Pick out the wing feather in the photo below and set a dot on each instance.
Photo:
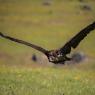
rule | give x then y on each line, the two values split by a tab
25	43
74	42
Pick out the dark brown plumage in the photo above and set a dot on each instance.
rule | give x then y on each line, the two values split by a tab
59	55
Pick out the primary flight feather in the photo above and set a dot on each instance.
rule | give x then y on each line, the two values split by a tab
59	55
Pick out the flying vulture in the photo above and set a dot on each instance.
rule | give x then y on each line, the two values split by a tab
59	55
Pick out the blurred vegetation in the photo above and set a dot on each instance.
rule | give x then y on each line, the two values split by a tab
48	23
46	81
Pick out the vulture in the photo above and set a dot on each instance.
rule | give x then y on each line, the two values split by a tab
58	56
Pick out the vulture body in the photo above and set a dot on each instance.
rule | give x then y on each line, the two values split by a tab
59	55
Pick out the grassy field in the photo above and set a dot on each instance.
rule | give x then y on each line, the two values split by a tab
47	81
49	26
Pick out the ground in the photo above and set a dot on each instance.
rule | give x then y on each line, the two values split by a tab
49	25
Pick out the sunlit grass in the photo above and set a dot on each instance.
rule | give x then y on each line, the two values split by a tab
51	81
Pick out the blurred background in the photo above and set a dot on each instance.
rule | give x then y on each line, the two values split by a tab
49	24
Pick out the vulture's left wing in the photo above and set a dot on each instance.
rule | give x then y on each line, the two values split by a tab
74	42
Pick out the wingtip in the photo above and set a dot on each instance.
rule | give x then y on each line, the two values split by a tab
1	34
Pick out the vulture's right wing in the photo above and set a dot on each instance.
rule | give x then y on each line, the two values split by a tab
25	43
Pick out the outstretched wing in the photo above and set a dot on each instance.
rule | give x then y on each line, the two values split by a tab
24	42
74	42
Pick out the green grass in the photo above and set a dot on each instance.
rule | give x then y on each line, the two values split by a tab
50	27
48	81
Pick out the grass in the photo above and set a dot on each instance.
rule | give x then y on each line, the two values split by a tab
50	27
48	81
